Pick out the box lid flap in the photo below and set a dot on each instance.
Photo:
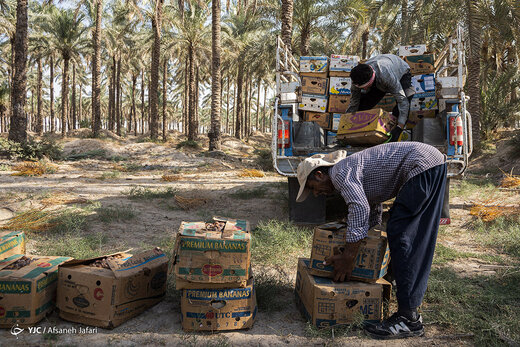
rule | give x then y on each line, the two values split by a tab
30	266
8	234
135	263
220	228
76	262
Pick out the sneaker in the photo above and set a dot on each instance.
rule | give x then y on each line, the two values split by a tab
395	327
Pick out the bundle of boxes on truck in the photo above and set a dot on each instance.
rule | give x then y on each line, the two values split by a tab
326	89
327	303
212	266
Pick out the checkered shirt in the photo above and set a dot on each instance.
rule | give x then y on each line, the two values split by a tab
368	178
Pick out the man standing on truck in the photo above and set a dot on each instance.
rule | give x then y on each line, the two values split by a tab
415	174
385	73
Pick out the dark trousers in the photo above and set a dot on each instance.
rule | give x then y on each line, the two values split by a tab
412	233
370	99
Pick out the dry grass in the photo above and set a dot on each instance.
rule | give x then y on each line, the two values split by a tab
510	181
490	211
171	178
63	199
189	203
29	168
251	173
35	220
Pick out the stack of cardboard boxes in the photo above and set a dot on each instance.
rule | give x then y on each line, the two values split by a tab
327	303
212	264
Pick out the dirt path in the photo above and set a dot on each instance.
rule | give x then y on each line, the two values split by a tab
215	182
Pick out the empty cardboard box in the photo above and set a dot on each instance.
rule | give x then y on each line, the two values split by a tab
314	66
219	309
340	86
313	103
387	103
424	101
423	83
420	64
322	119
411	50
341	65
339	103
372	258
27	288
109	290
326	303
11	242
365	127
217	252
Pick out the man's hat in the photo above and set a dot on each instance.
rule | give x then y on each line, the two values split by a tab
311	163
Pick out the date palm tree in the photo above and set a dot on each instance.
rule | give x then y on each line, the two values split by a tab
216	83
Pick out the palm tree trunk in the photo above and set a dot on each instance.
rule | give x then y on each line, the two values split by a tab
227	106
165	78
197	91
191	91
64	94
263	111
118	97
134	111
238	99
216	83
51	87
473	83
96	68
80	103
186	97
258	85
287	19
111	96
305	40
74	116
404	22
364	41
39	117
154	83
18	129
142	102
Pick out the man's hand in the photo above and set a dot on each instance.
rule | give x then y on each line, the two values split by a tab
344	262
395	133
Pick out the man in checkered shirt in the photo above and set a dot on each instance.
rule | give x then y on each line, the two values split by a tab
415	174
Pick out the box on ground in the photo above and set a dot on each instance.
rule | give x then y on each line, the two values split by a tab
420	64
365	127
216	252
340	86
411	50
322	119
339	103
315	85
314	66
424	101
219	309
27	288
313	103
423	83
371	260
341	65
109	290
387	103
11	242
326	303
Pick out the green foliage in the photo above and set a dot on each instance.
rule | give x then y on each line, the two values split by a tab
272	288
280	243
502	234
143	193
109	214
85	123
76	245
246	194
188	143
497	105
31	150
93	154
109	175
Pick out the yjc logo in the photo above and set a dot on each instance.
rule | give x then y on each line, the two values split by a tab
15	330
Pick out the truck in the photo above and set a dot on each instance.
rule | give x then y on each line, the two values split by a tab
294	139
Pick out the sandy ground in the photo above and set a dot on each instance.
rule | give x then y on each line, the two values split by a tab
206	178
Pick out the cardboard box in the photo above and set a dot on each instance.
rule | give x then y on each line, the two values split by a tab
412	50
11	242
340	86
219	309
339	103
313	103
326	303
366	138
371	261
314	66
314	85
363	121
387	103
27	293
341	65
335	122
331	138
424	101
322	119
206	255
420	64
108	296
423	83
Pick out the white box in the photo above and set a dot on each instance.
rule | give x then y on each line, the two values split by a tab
423	83
411	50
424	101
343	62
340	86
335	121
313	103
314	64
288	92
